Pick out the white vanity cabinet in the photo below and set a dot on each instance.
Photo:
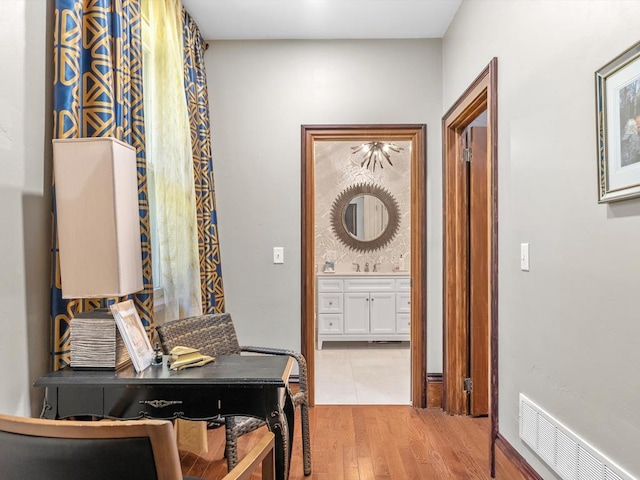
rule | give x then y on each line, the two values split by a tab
363	308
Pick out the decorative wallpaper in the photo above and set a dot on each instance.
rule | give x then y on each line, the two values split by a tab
337	168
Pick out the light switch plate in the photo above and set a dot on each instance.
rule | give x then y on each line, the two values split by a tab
278	254
524	257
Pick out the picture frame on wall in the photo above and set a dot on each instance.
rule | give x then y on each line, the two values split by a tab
618	127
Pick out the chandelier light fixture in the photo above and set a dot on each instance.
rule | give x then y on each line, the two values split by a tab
374	152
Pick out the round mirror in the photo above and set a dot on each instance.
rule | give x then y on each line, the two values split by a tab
365	217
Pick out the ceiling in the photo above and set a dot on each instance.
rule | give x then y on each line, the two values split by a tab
321	19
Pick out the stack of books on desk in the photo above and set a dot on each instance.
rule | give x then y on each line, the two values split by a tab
96	343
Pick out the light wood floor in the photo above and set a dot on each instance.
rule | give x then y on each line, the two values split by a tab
376	442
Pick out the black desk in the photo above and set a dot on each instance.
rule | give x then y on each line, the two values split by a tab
232	385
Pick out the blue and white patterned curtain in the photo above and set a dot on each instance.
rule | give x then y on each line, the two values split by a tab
197	101
98	93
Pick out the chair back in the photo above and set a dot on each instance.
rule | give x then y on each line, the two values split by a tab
213	334
106	450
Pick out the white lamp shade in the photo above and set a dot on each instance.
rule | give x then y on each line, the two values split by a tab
96	188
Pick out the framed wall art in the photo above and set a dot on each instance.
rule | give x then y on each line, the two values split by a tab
618	127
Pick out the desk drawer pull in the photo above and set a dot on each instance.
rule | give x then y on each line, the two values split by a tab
161	403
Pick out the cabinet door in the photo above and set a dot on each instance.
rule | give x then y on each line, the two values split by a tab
356	313
383	312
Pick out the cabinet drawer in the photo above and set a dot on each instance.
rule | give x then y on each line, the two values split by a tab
369	284
403	323
329	285
403	284
330	324
330	302
132	402
78	401
403	302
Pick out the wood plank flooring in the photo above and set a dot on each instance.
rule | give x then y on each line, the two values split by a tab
375	442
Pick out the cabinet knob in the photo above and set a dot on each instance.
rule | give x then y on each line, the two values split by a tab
330	303
331	324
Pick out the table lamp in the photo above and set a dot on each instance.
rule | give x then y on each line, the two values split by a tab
96	196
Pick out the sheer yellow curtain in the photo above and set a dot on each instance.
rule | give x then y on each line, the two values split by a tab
169	150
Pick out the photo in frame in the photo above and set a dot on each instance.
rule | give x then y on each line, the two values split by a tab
618	127
133	334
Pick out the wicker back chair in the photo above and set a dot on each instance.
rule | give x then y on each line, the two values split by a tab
214	334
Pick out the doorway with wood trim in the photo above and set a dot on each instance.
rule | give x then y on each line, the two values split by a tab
470	248
415	135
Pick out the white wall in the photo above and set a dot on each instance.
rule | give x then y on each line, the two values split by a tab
260	94
25	126
569	328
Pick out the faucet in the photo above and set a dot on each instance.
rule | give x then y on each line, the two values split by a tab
357	266
366	267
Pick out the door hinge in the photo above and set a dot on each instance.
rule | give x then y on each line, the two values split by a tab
467	155
467	385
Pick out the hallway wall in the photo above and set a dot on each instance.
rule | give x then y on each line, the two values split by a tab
569	329
25	224
260	94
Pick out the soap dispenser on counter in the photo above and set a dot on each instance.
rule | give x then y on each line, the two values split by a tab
401	266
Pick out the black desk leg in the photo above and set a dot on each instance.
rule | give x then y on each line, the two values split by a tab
49	408
289	411
281	424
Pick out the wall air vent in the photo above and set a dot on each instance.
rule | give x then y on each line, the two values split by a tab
568	455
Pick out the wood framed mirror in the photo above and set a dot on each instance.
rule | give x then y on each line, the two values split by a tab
365	217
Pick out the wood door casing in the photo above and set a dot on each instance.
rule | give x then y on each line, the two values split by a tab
456	286
482	94
417	135
479	96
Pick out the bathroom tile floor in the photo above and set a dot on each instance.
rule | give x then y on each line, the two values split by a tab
363	373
